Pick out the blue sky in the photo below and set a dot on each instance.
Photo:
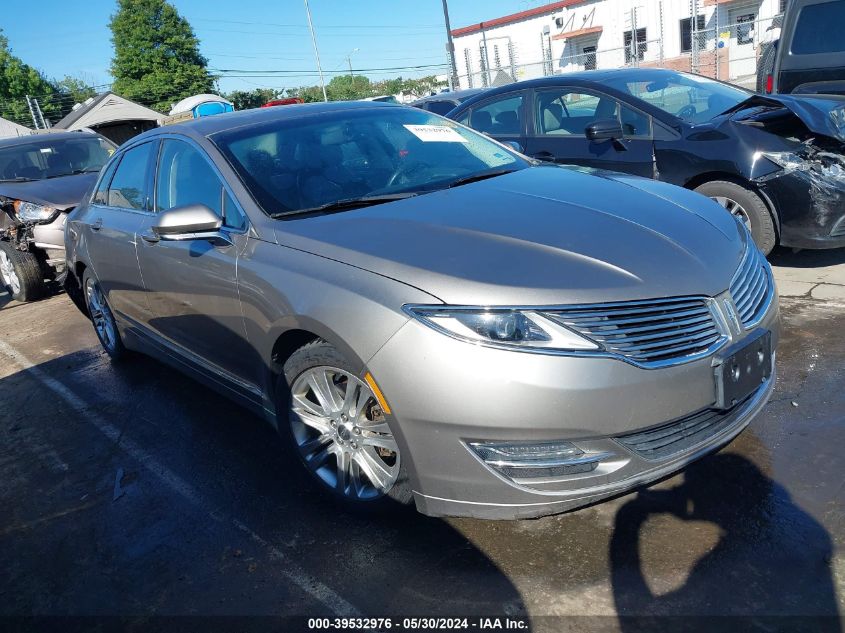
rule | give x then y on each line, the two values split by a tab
62	38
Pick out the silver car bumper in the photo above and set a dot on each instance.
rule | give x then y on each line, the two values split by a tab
448	394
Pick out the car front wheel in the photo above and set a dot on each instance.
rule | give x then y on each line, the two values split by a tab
20	273
339	430
747	206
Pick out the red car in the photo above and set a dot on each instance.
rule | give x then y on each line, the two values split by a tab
280	102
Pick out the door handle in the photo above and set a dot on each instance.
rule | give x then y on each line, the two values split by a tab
543	156
151	238
97	225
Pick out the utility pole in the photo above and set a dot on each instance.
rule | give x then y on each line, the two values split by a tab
316	52
351	74
450	49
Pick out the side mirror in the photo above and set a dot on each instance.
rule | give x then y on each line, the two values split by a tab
187	220
515	146
604	129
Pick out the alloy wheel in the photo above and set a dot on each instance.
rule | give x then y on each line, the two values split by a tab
7	272
101	315
342	435
734	208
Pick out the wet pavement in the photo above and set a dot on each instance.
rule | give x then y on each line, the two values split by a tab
131	490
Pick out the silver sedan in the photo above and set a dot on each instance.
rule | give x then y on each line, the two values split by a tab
426	315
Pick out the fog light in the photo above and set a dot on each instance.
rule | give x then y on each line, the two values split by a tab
536	460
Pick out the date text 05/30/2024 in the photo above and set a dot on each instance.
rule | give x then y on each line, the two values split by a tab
419	624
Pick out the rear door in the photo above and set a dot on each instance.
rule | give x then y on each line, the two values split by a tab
192	284
120	205
559	117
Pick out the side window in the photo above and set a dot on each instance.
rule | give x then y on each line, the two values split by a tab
185	177
568	111
101	194
500	117
127	189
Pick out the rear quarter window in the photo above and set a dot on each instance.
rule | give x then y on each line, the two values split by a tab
819	29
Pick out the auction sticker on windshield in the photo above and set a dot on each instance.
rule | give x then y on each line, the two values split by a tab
435	133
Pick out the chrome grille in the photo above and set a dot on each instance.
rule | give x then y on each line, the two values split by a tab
682	434
751	287
655	332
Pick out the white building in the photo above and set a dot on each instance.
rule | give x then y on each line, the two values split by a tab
722	42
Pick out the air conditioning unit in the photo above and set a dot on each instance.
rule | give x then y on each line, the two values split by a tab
559	23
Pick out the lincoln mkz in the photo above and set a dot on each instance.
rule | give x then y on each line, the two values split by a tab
426	315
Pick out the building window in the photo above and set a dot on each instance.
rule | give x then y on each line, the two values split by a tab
686	35
745	28
642	45
589	57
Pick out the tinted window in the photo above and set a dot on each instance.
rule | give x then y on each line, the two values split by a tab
819	29
499	117
567	112
185	177
128	187
296	163
440	107
101	195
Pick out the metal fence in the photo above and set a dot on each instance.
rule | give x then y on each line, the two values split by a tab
727	51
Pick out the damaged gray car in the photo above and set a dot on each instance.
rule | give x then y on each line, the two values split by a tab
776	162
42	178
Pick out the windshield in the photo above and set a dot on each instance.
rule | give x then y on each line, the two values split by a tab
51	158
308	162
689	97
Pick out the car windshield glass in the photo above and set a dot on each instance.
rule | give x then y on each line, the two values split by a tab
689	97
304	163
51	158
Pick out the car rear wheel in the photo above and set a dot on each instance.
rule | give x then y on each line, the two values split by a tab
20	273
747	206
102	317
339	430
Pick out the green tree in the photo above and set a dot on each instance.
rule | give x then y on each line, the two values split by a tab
156	54
69	91
17	80
349	87
245	99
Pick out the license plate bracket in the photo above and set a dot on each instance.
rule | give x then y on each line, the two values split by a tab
742	368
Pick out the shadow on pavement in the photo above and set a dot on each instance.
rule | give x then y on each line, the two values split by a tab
771	564
71	545
807	258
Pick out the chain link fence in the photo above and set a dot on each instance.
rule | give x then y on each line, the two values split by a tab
731	51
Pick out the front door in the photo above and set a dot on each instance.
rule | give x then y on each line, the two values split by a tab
119	207
192	284
742	54
560	116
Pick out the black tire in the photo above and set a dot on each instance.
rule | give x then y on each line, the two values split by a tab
28	283
112	343
761	220
766	66
319	353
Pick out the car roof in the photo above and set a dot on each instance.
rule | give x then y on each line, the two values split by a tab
454	95
45	137
210	125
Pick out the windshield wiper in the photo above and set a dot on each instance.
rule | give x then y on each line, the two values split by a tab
18	179
482	176
75	172
348	203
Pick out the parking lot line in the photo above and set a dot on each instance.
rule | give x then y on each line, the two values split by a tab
288	568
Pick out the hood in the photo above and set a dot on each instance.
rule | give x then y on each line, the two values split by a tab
539	236
61	193
823	115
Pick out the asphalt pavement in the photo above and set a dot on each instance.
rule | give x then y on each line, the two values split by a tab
130	490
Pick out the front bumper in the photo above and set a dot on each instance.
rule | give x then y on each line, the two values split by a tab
445	393
811	212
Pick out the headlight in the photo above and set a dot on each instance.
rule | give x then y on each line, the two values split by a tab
787	160
509	328
837	116
31	212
